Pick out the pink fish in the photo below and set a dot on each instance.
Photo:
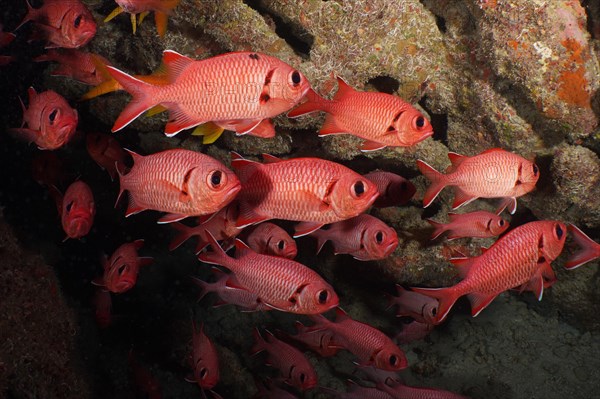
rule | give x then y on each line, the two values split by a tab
280	283
379	118
310	190
319	341
229	291
78	65
205	360
181	182
590	250
364	237
5	39
481	224
122	268
413	331
519	257
106	151
50	121
78	210
494	173
102	307
294	367
270	239
394	190
222	225
238	91
412	304
370	345
62	23
161	8
144	383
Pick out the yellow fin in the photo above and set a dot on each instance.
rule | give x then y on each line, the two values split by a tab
157	109
113	14
210	132
142	16
133	22
103	88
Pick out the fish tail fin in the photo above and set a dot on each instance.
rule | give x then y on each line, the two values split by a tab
217	256
183	234
439	228
445	296
122	189
142	97
105	87
205	287
313	103
259	344
438	182
30	16
589	251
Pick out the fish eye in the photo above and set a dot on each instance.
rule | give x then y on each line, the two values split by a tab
419	122
535	170
296	78
121	269
559	231
501	222
203	372
358	188
217	179
281	244
69	206
302	377
323	296
77	21
379	237
52	115
393	360
434	311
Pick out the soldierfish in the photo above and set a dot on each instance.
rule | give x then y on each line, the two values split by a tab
494	173
161	8
50	121
280	283
62	23
204	359
481	224
122	268
364	237
400	391
310	190
370	345
106	151
393	189
102	307
379	118
237	91
294	367
590	250
320	341
5	39
519	257
356	391
270	239
412	304
78	210
79	65
413	331
181	182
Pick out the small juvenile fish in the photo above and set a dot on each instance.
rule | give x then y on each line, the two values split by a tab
79	65
480	224
162	9
590	250
412	304
364	237
280	283
122	268
270	239
102	307
181	182
47	169
145	384
494	173
50	121
294	367
237	91
517	258
205	360
394	190
106	151
310	190
78	210
379	118
62	23
371	346
320	341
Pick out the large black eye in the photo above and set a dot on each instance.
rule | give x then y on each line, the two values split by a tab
379	237
77	21
302	378
323	296
121	269
203	373
281	245
420	122
393	360
296	78
559	231
215	178
52	115
535	170
69	206
501	222
359	188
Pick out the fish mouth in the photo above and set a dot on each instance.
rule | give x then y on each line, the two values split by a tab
232	193
124	285
390	248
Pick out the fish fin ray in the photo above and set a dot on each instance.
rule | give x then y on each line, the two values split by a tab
313	103
171	218
330	126
304	228
461	198
439	228
437	179
369	145
480	301
141	99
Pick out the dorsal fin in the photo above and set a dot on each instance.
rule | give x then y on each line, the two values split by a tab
136	157
175	63
456	159
241	249
340	315
344	89
271	158
493	150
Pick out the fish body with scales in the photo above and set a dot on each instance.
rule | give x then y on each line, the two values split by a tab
122	268
75	64
478	224
270	239
394	190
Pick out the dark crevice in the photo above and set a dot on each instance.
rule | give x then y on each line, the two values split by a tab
439	122
384	84
441	23
295	35
592	11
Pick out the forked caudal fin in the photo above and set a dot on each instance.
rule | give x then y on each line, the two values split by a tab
439	228
437	182
445	296
589	251
313	103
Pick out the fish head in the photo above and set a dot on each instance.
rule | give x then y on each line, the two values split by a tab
351	195
78	26
553	239
400	189
303	378
96	144
122	275
212	185
58	120
288	86
205	373
281	244
315	297
390	358
430	310
497	225
379	240
528	174
412	127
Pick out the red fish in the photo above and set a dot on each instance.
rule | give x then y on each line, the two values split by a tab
320	341
181	182
63	23
50	121
78	210
394	190
161	8
310	190
519	257
268	390
590	250
144	383
47	169
270	239
238	91
102	307
79	65
481	224
412	304
106	151
280	283
221	225
205	360
5	39
229	291
294	367
413	331
494	173
122	268
370	345
379	118
364	237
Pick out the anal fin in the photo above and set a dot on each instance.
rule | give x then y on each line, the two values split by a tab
480	301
